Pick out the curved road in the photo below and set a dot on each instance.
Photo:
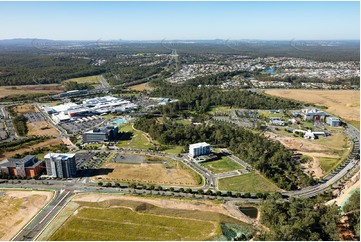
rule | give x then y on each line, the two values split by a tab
65	189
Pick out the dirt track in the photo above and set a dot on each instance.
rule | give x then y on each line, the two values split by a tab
308	148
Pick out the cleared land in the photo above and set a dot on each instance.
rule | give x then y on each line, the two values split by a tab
30	89
174	173
25	108
86	79
121	217
39	127
326	153
225	164
251	182
343	103
141	87
47	143
42	128
17	208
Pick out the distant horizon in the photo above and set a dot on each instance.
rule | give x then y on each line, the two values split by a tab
140	40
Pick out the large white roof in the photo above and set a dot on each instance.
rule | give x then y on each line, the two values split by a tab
58	155
198	145
65	107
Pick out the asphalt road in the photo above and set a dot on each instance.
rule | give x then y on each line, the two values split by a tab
65	189
33	228
342	171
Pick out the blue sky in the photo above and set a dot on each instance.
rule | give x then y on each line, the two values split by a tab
180	20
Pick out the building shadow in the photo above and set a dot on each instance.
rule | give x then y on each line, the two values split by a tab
126	136
94	172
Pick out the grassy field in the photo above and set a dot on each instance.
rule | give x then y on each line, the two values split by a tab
125	224
30	89
183	121
174	150
86	79
355	123
93	146
128	220
220	108
343	103
268	114
327	164
174	174
250	182
141	87
337	140
224	164
133	138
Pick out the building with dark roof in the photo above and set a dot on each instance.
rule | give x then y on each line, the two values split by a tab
109	133
28	166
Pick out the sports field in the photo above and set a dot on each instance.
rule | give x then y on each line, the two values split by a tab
175	173
224	164
250	182
129	218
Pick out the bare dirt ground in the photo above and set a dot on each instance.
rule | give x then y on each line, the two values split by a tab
51	142
141	87
343	103
308	148
17	208
27	89
155	173
26	108
38	127
41	128
345	233
169	203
